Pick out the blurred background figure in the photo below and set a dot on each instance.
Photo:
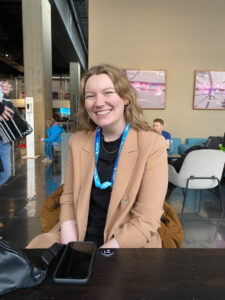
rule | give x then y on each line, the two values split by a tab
158	125
54	132
5	113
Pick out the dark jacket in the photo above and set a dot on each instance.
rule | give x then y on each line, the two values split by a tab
2	107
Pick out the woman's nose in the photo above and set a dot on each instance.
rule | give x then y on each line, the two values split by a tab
99	100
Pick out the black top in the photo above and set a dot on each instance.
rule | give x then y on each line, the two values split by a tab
99	200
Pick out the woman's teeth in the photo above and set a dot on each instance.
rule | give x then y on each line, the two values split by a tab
102	112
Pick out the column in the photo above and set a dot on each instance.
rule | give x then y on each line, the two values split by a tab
74	90
37	48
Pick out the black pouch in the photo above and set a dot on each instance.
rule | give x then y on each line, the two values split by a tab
18	271
16	127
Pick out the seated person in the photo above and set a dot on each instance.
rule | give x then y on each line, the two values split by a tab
158	125
116	171
54	132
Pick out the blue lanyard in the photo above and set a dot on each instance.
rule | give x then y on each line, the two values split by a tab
106	184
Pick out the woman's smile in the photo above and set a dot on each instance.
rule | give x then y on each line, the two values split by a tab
103	112
104	106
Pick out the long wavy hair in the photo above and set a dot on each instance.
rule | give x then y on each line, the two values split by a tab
133	112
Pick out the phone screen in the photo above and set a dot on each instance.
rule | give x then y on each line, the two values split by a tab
76	262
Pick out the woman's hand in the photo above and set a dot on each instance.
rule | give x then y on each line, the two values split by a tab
7	113
42	139
111	244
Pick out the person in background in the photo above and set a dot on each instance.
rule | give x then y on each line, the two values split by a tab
54	132
158	125
5	113
116	170
5	159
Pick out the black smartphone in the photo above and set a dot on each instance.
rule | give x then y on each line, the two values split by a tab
76	263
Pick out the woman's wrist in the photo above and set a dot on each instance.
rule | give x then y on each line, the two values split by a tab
68	232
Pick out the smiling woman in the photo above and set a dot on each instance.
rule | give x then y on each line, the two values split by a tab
104	106
116	170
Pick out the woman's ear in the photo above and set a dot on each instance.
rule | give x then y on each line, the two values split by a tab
126	101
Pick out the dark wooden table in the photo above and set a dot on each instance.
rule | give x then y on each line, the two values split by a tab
142	274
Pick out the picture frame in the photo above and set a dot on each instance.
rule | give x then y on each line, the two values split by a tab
55	95
209	90
150	86
67	96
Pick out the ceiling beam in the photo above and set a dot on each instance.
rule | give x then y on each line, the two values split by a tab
67	18
12	63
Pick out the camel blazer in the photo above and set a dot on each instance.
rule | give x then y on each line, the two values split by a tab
139	190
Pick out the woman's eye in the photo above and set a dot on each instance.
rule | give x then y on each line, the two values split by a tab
108	92
89	96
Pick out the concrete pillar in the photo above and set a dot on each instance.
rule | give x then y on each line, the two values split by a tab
37	49
74	90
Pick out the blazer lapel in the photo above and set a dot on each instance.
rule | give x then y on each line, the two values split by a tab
125	169
87	172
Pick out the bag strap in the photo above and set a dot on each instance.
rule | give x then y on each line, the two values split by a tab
50	253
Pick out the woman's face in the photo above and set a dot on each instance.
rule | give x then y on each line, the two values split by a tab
104	106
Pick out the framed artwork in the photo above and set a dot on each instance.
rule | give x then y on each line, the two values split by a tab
55	95
209	92
150	87
67	96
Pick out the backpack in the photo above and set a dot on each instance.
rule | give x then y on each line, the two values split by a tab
213	142
171	231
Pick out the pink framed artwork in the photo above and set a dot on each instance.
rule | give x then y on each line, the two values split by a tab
150	87
209	91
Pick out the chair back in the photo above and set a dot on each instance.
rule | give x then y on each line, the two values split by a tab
203	163
174	144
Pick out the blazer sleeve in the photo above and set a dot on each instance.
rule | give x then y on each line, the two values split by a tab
142	227
67	198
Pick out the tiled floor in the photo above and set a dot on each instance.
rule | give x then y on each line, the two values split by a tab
203	222
22	197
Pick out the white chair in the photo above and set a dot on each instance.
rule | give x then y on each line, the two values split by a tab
201	169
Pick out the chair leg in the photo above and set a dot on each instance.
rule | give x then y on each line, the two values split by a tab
200	202
170	191
185	193
221	200
184	200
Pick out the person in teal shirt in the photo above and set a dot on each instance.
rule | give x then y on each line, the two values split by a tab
54	132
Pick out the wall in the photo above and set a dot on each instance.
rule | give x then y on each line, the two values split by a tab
177	35
55	103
